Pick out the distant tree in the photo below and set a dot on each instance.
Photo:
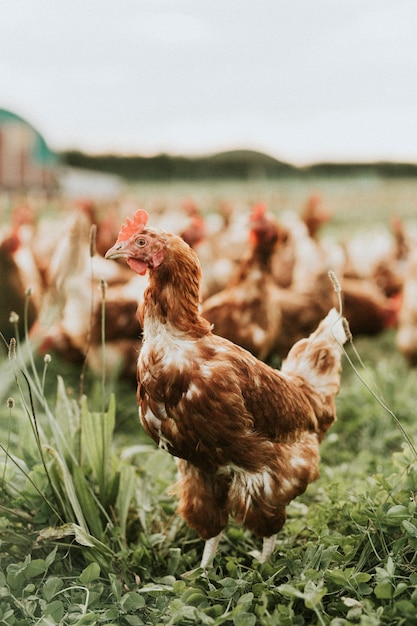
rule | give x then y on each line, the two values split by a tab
238	164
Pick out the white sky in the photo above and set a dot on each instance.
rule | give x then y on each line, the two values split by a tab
304	80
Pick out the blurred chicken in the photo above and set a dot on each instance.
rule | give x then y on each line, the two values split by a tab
406	336
77	335
301	235
247	311
309	295
70	322
315	215
367	273
20	283
257	313
246	436
388	271
106	222
220	243
379	255
195	231
403	244
372	279
368	310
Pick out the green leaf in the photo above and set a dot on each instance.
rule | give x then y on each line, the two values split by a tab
56	610
68	414
397	514
244	619
90	573
132	601
246	599
174	559
90	618
51	587
410	528
400	589
290	591
35	567
383	591
341	577
116	587
195	598
51	557
126	492
65	485
82	537
16	574
87	502
313	594
96	440
362	577
132	620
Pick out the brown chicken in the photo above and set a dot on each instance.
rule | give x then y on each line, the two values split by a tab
315	215
246	436
247	311
406	335
71	319
220	243
18	276
308	297
368	310
77	335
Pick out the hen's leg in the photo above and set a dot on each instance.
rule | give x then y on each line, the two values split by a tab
203	505
210	550
267	548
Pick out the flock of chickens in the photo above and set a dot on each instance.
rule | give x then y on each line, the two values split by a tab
264	280
196	323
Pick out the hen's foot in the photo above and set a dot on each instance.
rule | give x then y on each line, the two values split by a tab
210	550
267	548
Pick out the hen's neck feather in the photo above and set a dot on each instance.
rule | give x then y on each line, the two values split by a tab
173	294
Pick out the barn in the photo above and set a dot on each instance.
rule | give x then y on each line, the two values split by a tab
26	161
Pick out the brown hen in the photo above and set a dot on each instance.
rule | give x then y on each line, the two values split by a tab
247	311
246	436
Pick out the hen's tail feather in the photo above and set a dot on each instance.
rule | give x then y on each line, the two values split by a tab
317	359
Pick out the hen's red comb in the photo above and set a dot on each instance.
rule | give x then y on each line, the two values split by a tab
258	211
133	225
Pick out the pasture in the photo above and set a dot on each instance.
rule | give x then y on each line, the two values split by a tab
88	530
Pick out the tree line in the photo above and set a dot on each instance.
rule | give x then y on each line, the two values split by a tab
239	164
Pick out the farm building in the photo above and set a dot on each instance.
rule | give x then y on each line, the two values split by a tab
26	161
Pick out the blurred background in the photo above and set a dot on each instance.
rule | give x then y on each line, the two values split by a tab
301	82
198	112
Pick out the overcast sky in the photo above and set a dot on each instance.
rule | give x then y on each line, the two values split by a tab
304	80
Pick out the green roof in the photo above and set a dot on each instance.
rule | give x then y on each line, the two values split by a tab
41	151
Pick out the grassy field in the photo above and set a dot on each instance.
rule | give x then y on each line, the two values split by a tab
356	202
88	531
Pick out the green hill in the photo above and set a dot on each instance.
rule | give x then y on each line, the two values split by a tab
238	164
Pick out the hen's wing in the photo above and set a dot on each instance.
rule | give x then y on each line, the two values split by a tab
222	407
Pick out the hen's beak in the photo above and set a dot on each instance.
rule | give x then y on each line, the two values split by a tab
117	251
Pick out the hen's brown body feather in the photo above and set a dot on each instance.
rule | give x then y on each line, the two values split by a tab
246	436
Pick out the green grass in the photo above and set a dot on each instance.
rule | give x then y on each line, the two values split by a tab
357	203
89	534
346	554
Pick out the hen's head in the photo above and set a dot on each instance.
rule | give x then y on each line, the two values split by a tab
143	248
264	230
315	215
195	231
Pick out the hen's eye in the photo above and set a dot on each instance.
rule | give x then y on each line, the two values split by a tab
141	242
